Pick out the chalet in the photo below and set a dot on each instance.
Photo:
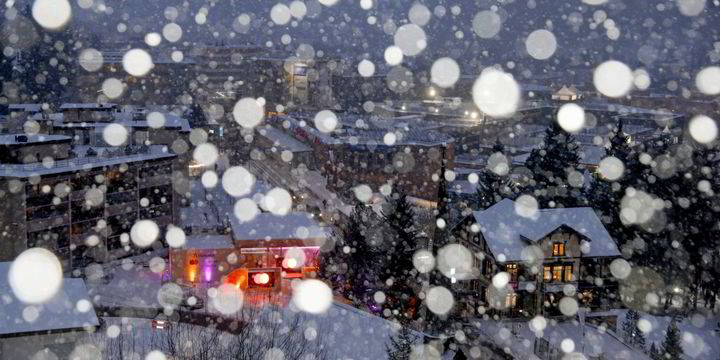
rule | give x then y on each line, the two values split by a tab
543	256
566	94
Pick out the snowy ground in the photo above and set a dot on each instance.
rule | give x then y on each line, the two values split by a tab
699	339
342	333
360	335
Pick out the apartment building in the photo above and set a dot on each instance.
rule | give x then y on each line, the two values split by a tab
71	192
375	152
83	208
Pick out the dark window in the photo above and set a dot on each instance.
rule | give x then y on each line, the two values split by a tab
53	238
81	211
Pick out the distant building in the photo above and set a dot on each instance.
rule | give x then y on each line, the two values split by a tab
384	153
567	94
59	326
162	85
541	254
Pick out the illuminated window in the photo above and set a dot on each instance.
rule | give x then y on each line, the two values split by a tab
558	249
557	272
568	272
547	273
510	300
512	269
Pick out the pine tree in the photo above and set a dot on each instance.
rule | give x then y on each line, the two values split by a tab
492	187
400	345
671	349
399	267
443	211
350	263
196	116
605	196
631	334
550	165
620	144
654	353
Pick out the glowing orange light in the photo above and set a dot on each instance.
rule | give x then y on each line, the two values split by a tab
192	272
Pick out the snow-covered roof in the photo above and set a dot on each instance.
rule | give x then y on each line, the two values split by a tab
463	187
294	227
125	118
283	140
506	232
59	313
95	106
12	139
205	216
366	136
25	107
205	241
626	109
591	155
566	91
79	163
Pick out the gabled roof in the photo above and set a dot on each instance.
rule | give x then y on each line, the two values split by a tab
566	91
58	313
508	233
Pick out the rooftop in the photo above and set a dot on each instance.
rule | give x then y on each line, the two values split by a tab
125	118
298	228
208	242
59	313
283	140
508	233
355	135
67	106
25	107
12	139
78	164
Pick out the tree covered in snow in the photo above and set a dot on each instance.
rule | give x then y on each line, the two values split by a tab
551	164
492	187
605	195
349	265
398	266
442	214
671	348
654	352
630	331
196	115
400	345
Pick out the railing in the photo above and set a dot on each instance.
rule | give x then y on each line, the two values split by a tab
139	154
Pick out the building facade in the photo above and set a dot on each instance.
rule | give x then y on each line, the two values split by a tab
528	264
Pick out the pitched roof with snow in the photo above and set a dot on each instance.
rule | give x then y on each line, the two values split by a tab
58	313
508	233
269	229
